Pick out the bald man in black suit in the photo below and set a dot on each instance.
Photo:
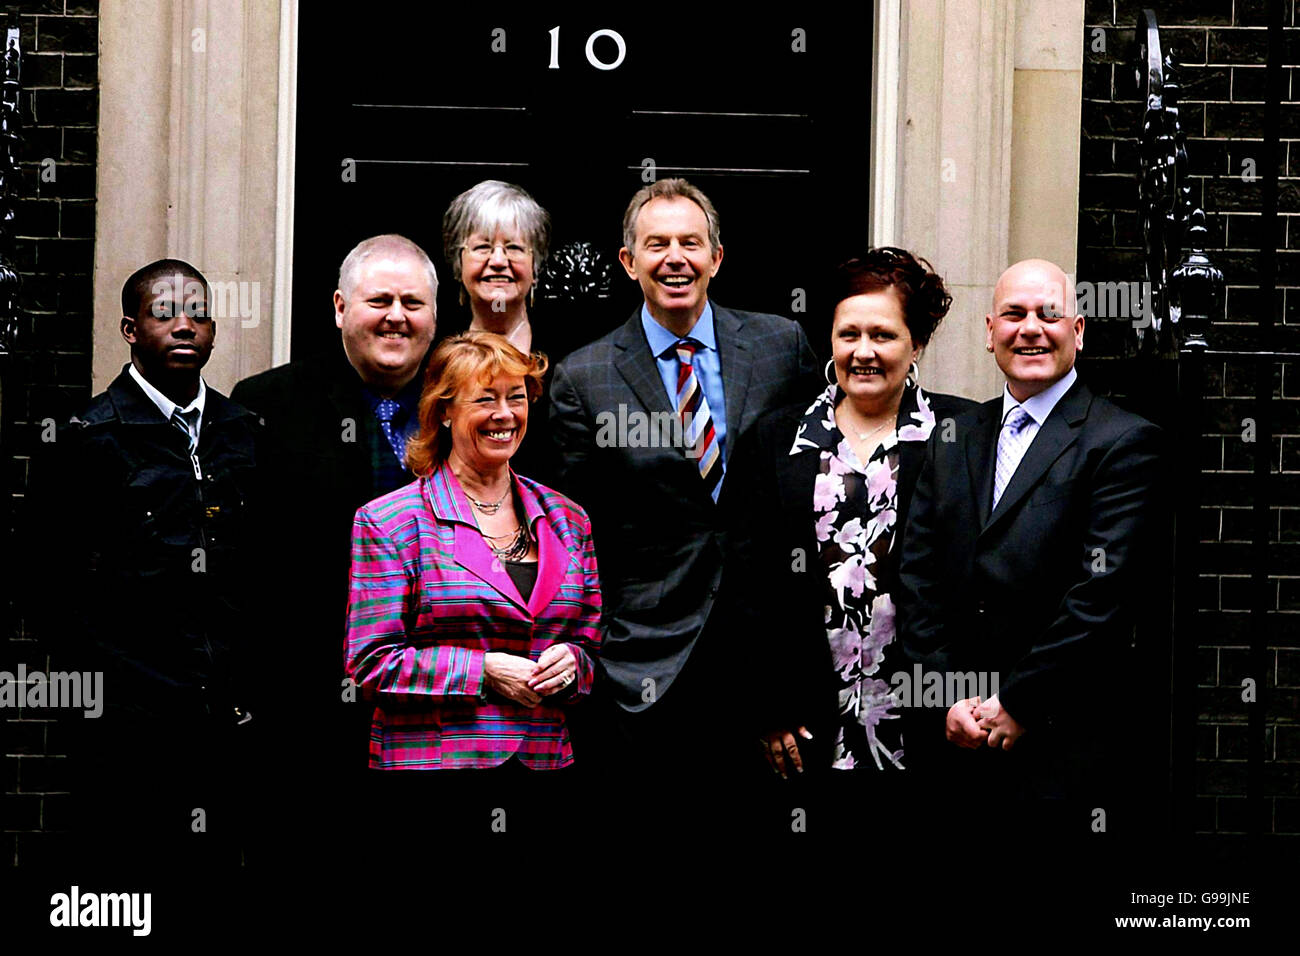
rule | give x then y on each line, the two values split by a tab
1022	557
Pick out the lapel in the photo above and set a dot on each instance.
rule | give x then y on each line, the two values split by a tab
132	405
911	456
342	387
734	360
637	366
469	550
447	501
1058	433
981	441
796	481
553	559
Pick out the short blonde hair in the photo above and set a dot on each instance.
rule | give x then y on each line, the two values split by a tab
456	362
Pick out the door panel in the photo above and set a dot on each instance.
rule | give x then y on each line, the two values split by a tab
423	107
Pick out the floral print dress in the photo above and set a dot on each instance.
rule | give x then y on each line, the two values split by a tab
855	509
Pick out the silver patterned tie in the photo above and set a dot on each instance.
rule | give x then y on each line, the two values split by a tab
1011	448
184	422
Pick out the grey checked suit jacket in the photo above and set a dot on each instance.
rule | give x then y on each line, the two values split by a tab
659	535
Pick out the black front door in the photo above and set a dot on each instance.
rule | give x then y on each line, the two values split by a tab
400	111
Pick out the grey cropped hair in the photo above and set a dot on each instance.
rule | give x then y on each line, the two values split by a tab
390	243
490	207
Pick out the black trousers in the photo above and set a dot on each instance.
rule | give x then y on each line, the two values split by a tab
158	795
673	772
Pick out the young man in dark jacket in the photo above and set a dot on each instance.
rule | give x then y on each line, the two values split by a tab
145	501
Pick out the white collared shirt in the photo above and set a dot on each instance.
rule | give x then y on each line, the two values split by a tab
168	407
1039	406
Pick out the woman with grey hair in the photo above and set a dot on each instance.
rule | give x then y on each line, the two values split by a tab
495	237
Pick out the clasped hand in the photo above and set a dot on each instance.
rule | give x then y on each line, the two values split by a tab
971	723
527	682
782	750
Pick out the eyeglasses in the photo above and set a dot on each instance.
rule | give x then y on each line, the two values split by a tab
483	250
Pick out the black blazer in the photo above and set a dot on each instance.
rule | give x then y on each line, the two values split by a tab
1039	591
659	536
775	584
316	468
317	460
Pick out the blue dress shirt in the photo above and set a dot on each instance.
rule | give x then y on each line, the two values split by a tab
708	369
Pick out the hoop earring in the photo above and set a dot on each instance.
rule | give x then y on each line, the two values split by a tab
830	379
913	373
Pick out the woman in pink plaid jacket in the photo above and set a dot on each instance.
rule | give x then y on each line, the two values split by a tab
474	605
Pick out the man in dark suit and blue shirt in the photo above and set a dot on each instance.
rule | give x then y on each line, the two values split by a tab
1022	555
652	491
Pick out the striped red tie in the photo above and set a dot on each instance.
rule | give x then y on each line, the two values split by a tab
697	422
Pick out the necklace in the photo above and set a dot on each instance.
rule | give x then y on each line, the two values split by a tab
862	436
488	507
517	543
519	335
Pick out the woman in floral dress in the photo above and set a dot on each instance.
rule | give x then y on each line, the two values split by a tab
824	491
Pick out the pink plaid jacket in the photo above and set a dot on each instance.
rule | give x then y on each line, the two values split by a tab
428	600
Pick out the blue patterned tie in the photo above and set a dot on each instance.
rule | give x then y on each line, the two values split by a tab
1011	448
386	411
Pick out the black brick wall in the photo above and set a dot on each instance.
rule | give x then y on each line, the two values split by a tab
50	375
1221	46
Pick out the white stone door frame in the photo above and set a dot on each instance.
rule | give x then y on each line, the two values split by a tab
959	86
286	143
190	166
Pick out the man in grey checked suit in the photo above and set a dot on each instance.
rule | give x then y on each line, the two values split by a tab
663	690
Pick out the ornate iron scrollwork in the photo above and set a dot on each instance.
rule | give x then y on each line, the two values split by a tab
10	131
1197	287
1165	204
575	272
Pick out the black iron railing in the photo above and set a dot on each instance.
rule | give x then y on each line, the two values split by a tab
1186	299
10	138
10	143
